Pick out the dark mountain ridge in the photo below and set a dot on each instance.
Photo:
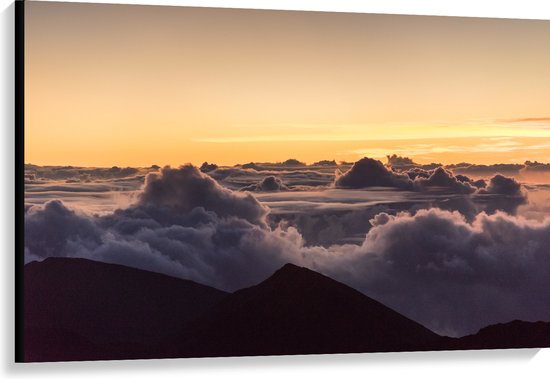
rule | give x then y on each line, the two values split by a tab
299	311
109	311
76	309
508	335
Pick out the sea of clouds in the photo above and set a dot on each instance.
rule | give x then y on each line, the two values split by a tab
449	251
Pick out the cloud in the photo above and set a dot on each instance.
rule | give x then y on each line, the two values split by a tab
417	172
480	183
49	229
251	165
442	178
298	178
325	163
397	162
267	184
454	276
535	172
206	167
225	252
292	163
535	167
485	170
501	185
372	173
502	193
187	188
530	122
70	187
183	224
435	266
82	173
369	172
332	226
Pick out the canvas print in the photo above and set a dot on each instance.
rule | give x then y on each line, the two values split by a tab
207	182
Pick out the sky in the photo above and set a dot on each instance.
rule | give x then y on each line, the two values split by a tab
140	85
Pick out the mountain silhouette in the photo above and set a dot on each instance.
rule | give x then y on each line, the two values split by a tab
512	334
299	311
77	309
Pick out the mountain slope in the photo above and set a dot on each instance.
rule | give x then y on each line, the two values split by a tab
76	309
299	311
81	309
514	334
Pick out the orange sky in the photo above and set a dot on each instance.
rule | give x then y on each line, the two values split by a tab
140	85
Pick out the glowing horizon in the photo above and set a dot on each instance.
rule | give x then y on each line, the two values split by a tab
134	86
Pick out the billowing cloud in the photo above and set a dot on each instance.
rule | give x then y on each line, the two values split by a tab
207	167
267	184
501	185
401	162
480	183
292	163
444	179
455	276
417	172
332	226
183	224
187	188
503	194
325	163
369	172
372	173
49	229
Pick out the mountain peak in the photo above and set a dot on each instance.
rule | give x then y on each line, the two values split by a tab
290	266
297	311
292	269
291	273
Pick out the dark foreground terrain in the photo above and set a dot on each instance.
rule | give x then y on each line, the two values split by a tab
76	309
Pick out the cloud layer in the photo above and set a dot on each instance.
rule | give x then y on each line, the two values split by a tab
435	266
470	274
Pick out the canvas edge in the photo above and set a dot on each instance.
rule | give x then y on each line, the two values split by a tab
19	173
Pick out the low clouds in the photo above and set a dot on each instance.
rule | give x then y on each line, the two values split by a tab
207	167
81	173
330	227
501	185
434	262
441	178
49	229
369	172
501	193
450	273
485	170
529	170
183	224
298	178
532	167
267	184
372	173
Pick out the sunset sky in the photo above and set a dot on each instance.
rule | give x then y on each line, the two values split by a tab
140	85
